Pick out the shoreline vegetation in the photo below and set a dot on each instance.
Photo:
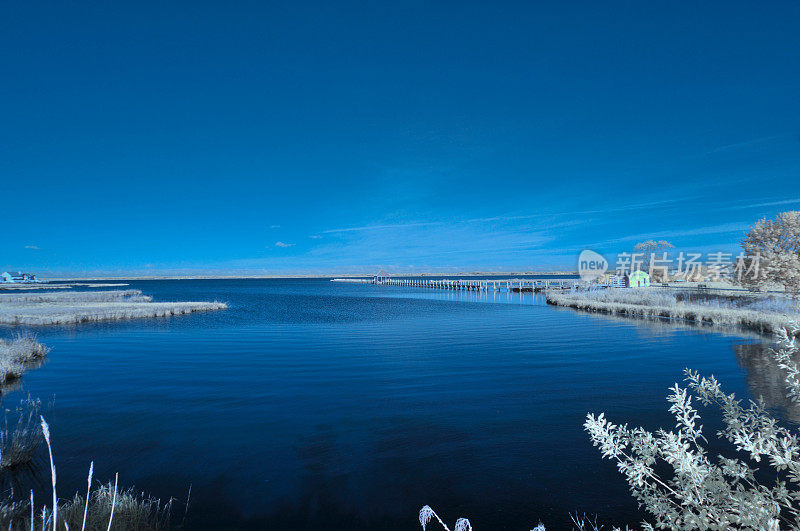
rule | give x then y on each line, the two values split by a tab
74	307
20	286
102	504
18	355
766	315
20	443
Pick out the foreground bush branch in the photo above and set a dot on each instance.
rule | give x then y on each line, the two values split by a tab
672	476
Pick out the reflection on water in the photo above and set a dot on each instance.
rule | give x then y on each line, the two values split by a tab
13	383
660	326
655	328
766	379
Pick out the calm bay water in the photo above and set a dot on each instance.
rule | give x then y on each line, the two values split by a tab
318	405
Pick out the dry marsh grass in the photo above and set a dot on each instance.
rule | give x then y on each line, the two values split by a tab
19	354
128	295
133	511
31	287
102	506
86	306
21	287
765	315
20	441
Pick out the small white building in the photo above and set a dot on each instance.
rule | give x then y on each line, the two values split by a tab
638	279
17	277
617	281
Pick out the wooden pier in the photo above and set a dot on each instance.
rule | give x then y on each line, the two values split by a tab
518	285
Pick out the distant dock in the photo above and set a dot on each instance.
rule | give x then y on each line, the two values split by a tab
518	285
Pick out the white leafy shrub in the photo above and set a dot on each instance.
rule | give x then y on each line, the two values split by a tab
673	477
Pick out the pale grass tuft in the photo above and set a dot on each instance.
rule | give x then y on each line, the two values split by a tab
113	502
88	492
426	514
46	432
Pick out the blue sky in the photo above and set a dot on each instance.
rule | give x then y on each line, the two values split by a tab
298	137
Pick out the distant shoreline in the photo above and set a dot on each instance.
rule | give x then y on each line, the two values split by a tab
326	276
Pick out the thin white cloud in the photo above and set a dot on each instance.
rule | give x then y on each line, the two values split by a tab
282	244
547	216
315	236
772	203
621	208
724	228
744	144
33	247
380	227
471	243
274	226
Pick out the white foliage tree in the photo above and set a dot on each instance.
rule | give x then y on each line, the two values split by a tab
653	250
777	243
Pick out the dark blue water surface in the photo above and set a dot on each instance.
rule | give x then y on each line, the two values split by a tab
317	405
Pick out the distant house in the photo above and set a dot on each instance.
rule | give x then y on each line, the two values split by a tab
381	277
616	281
638	279
17	277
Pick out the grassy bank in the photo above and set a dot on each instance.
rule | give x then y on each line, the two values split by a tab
70	297
17	355
133	511
32	287
762	314
80	307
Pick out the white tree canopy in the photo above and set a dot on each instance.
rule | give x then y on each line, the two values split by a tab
777	244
